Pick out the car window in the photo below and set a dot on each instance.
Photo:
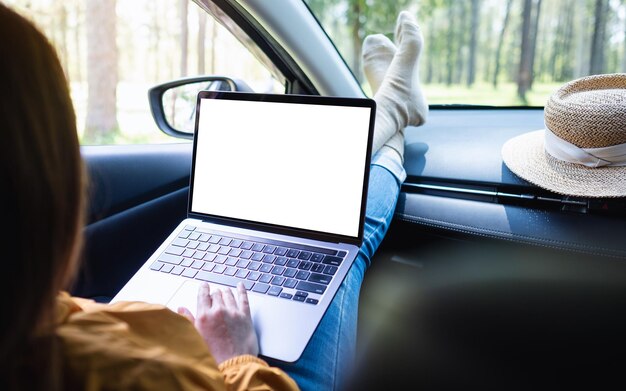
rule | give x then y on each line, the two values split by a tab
114	51
489	52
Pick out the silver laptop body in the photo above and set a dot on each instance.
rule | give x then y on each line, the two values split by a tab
277	200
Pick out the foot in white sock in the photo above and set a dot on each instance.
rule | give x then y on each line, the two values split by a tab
407	27
378	51
399	100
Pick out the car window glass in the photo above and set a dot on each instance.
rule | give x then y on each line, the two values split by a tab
114	51
489	52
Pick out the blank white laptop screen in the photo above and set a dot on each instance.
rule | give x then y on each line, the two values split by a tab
287	164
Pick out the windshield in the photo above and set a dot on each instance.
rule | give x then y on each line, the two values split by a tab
489	52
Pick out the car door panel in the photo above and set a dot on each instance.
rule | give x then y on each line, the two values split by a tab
137	195
124	176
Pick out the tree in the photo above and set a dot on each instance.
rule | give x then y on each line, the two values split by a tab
533	42
624	49
78	58
155	38
461	40
60	28
355	21
471	68
582	39
214	35
623	66
451	43
596	62
560	66
431	52
201	39
525	64
566	69
184	35
505	24
101	120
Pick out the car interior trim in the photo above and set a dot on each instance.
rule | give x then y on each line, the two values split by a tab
245	28
311	50
591	233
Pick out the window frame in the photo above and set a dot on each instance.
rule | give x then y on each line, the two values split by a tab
265	48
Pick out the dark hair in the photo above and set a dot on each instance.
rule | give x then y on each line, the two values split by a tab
42	201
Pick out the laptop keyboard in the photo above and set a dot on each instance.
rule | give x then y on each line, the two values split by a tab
290	271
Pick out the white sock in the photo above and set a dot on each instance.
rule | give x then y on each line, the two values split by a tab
378	51
396	144
407	27
400	101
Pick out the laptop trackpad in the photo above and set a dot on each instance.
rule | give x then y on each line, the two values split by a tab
185	296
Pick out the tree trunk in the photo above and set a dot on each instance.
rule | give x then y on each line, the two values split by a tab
60	32
486	49
505	24
566	71
461	39
525	65
450	43
596	63
77	40
101	120
471	69
624	53
155	34
431	50
533	48
184	33
357	38
582	40
557	47
201	39
213	40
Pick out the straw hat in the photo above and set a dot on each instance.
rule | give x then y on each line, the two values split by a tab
582	150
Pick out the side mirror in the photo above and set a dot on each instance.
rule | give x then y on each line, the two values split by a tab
173	104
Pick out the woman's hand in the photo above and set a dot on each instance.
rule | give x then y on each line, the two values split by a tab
224	322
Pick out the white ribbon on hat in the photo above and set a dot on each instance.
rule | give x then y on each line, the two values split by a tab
613	156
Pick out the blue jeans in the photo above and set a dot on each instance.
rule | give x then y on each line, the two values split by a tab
327	360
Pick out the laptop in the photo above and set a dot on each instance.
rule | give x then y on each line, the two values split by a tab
277	199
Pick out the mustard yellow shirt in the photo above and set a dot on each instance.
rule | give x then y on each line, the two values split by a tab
139	346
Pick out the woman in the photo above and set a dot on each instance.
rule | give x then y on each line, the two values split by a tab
42	199
54	341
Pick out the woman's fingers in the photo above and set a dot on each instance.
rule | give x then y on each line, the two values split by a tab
244	304
218	299
226	326
221	298
186	313
229	298
204	298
